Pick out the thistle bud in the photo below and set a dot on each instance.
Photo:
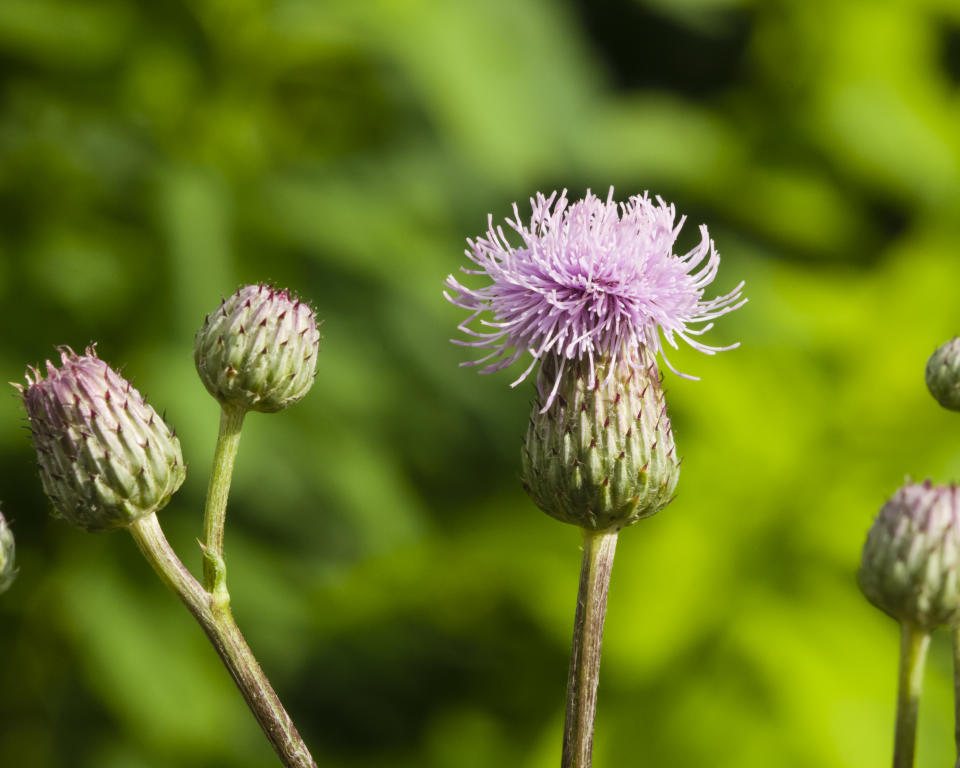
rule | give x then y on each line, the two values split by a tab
7	570
258	350
943	374
602	455
910	558
106	458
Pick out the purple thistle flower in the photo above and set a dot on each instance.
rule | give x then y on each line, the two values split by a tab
592	280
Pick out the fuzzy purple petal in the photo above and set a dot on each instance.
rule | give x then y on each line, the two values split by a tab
592	279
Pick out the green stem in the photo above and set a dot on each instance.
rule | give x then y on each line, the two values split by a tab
215	512
955	632
598	550
913	653
218	623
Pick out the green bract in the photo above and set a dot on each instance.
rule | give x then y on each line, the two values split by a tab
602	455
106	458
258	350
910	558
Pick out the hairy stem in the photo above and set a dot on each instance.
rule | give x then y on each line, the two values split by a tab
217	621
913	653
584	674
215	511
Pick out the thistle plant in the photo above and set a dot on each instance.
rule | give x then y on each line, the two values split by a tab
256	352
107	460
910	568
910	571
588	292
943	382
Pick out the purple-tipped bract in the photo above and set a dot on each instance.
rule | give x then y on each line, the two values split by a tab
590	280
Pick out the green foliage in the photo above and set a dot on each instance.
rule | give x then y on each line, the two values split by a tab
410	604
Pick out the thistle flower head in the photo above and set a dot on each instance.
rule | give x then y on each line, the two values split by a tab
258	350
943	374
590	280
7	569
106	458
911	557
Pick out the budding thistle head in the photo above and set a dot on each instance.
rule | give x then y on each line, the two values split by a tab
7	550
258	350
911	556
587	293
106	458
943	374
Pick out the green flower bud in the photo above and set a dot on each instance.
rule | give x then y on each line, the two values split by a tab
602	455
7	551
258	350
106	458
910	558
943	374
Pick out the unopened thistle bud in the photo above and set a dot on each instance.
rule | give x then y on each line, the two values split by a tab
602	455
943	374
7	550
911	556
106	458
258	350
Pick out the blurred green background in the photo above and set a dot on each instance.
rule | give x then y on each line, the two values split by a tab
409	603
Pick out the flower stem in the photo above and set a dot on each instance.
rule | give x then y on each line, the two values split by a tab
217	621
215	511
913	653
955	633
598	551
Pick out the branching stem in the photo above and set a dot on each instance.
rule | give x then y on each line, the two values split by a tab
218	623
210	603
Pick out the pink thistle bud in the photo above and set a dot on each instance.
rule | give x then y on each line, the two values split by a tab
912	555
106	458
